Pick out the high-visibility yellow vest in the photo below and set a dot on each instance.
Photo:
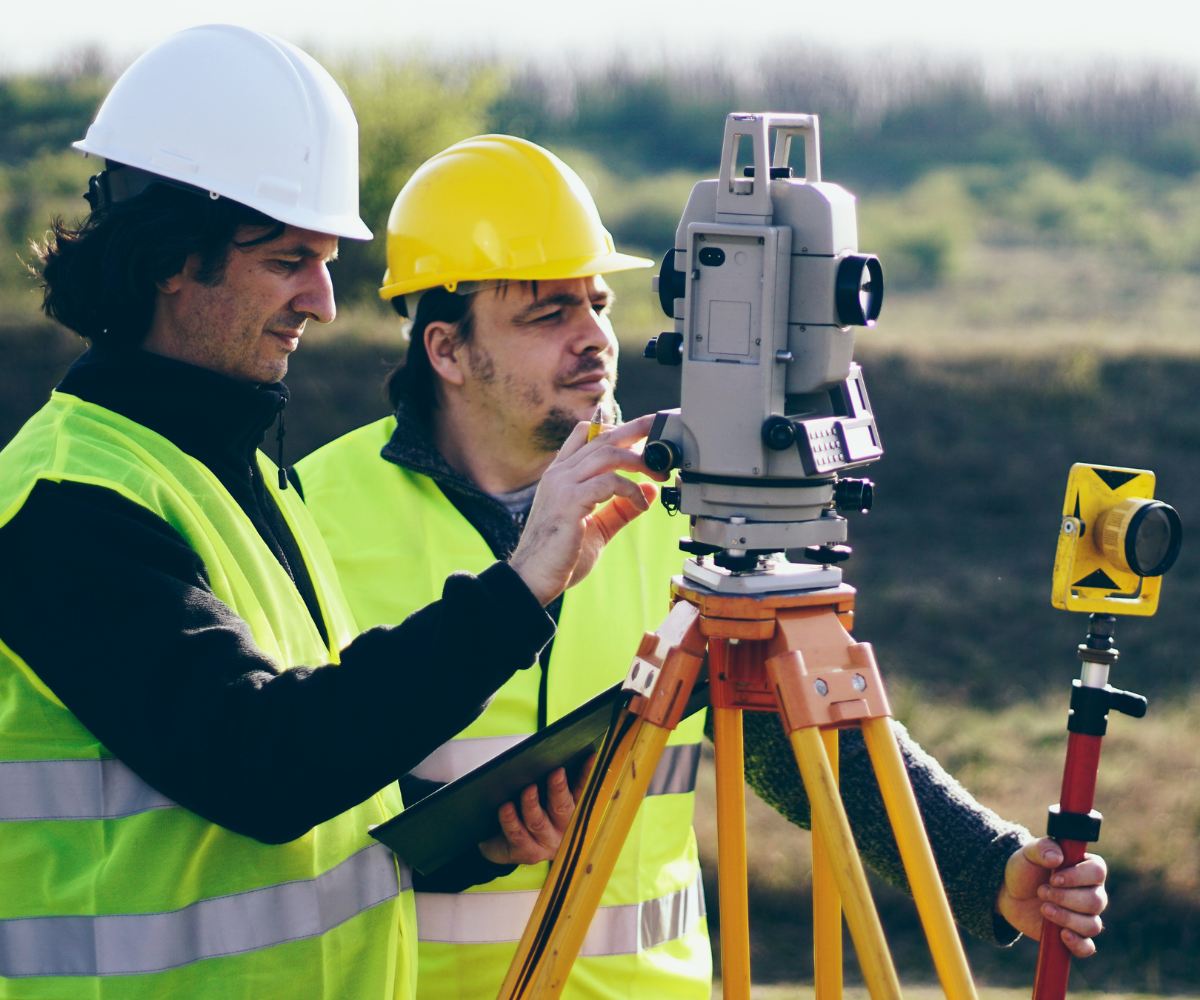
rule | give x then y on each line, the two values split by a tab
110	889
395	538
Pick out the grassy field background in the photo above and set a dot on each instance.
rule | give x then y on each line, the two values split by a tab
1042	251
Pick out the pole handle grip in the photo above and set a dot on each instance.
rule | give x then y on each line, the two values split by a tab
1054	960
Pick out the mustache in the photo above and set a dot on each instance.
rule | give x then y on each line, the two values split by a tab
289	320
586	368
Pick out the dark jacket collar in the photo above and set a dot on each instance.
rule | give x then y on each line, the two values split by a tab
208	415
412	446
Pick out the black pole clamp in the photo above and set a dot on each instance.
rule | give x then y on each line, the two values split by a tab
1090	706
1083	827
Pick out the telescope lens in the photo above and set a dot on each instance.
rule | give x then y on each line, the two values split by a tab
1141	536
1153	539
858	294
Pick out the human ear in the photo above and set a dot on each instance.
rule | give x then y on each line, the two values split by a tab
171	285
443	348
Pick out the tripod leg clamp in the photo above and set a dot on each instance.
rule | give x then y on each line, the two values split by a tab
1083	827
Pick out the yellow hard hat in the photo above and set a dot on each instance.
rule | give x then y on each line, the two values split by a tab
495	207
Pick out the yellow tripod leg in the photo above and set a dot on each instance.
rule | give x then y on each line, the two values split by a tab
830	822
547	975
555	878
827	904
731	853
944	944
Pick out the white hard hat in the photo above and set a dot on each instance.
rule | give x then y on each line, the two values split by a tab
242	115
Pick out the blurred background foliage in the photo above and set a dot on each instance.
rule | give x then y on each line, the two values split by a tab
942	161
1041	242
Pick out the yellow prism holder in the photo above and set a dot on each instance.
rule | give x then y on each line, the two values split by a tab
785	653
1097	541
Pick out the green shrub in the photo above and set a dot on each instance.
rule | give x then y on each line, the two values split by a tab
922	233
407	111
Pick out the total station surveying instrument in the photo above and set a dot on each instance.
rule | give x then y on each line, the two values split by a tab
765	285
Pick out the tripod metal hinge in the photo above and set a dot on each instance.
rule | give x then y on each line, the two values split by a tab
666	666
830	697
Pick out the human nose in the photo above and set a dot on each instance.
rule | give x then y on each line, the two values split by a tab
594	332
315	299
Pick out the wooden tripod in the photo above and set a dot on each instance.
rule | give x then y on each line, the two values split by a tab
788	653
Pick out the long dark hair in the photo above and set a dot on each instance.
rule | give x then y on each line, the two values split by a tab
100	279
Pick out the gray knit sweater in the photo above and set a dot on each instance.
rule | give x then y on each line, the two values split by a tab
970	842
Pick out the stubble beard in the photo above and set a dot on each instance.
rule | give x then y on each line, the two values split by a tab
552	431
555	427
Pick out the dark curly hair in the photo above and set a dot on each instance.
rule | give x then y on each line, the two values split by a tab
100	279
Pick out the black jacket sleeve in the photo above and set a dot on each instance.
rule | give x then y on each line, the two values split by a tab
113	611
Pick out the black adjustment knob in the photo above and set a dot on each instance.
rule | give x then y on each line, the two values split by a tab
672	284
778	433
660	456
650	351
827	555
668	348
854	495
698	548
670	497
776	172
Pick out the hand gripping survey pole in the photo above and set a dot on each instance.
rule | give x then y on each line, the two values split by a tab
1073	822
784	652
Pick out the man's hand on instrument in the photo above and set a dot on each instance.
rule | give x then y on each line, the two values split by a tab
580	504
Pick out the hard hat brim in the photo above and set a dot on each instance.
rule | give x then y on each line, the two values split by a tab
608	263
349	227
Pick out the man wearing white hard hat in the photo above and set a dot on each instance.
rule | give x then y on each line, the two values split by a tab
194	740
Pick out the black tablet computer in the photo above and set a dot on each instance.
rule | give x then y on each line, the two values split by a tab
461	814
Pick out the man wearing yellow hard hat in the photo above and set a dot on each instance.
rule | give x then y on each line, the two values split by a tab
496	254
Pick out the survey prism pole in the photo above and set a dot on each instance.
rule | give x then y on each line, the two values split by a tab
1073	821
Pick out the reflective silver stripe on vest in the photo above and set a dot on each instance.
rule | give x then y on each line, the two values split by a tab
676	771
74	789
458	757
499	917
225	925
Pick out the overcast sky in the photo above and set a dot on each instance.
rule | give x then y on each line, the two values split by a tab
1025	36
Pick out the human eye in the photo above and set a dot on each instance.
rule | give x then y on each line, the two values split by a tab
286	265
